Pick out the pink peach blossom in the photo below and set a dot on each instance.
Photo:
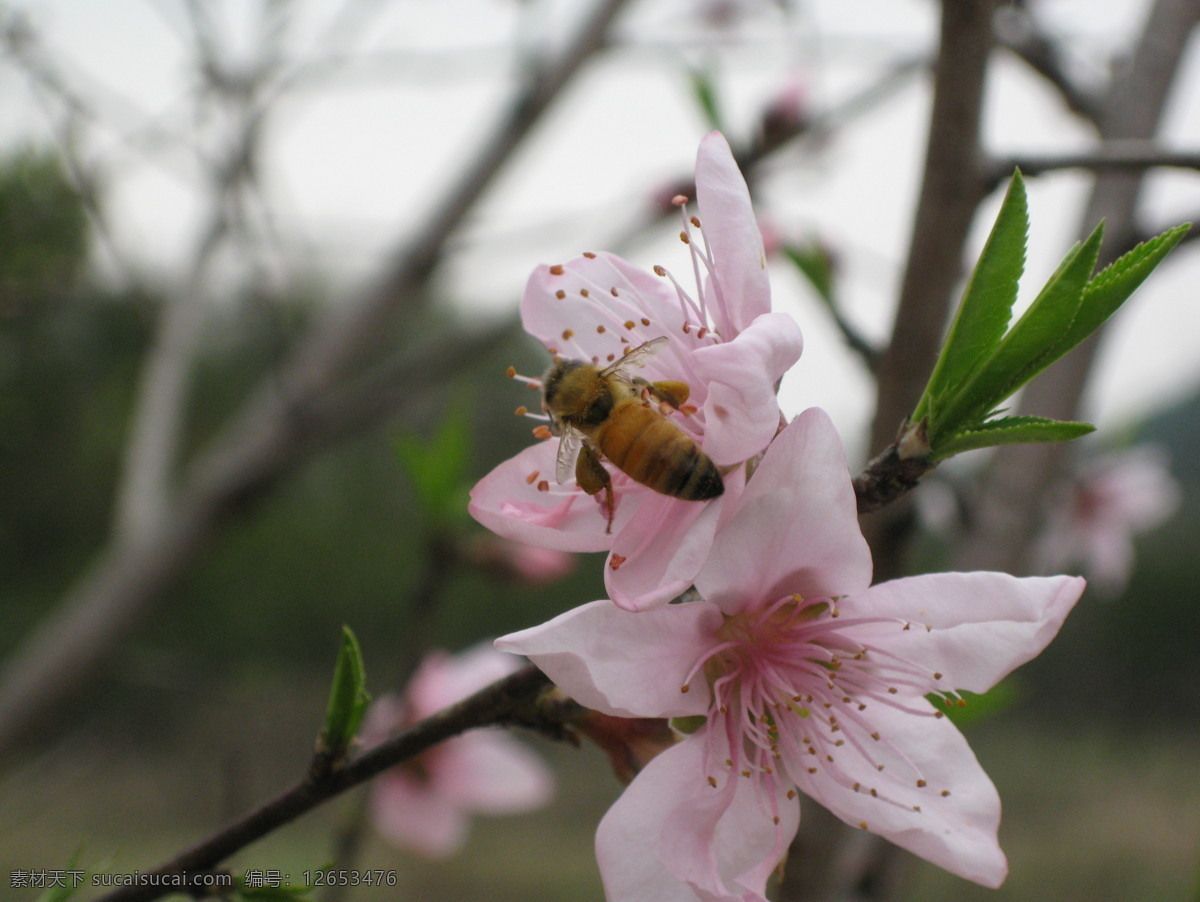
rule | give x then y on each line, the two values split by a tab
804	677
1113	499
724	342
425	804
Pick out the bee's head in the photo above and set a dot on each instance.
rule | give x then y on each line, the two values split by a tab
553	379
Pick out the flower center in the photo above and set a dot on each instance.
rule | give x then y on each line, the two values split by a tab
791	687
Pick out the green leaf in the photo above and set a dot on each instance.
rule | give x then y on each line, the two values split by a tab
1113	285
438	465
68	888
1010	431
1030	345
705	92
688	724
967	708
274	894
348	698
987	303
815	265
58	893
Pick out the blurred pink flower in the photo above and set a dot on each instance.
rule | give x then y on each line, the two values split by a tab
424	805
1113	499
807	678
722	15
725	344
517	562
789	111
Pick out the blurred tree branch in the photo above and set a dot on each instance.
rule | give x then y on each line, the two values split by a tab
952	187
512	700
278	426
827	859
1019	32
1116	154
1009	507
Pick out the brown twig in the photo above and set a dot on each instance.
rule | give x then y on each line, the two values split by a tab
1112	155
1018	32
512	699
951	189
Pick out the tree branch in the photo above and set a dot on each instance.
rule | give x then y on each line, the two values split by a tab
1018	32
951	189
1115	155
1008	512
511	700
260	443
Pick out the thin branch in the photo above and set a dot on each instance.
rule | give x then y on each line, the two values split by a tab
511	700
887	478
772	134
952	187
1018	32
152	451
260	443
1117	154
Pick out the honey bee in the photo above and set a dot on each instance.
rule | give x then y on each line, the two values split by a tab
607	413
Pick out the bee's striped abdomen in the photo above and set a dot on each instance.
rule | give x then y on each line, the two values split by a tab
652	450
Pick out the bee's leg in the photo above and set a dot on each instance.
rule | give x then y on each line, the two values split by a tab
671	392
592	477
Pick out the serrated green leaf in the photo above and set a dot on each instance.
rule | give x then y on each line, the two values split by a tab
1010	431
987	303
1113	285
705	91
1029	346
348	697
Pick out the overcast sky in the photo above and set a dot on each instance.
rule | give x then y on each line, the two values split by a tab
354	158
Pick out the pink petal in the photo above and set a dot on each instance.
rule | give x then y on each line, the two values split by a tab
732	236
982	625
1109	557
565	519
656	556
672	836
594	326
795	529
622	663
955	831
444	679
492	773
741	413
410	815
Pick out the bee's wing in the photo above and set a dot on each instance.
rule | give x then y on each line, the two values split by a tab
637	357
569	446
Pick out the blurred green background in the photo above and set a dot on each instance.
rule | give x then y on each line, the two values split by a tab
214	703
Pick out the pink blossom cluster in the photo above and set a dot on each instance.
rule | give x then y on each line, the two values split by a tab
750	619
425	804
